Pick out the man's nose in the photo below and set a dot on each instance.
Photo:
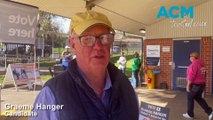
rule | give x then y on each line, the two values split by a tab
98	44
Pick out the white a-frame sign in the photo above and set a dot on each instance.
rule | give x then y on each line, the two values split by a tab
22	74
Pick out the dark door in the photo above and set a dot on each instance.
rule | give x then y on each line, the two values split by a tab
181	51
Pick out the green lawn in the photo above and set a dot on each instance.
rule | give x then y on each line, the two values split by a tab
1	78
58	50
113	59
128	72
44	78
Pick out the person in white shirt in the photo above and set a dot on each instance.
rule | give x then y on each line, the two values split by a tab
122	63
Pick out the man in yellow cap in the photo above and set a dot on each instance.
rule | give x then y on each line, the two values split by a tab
91	88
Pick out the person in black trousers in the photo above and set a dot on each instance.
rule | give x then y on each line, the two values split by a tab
196	80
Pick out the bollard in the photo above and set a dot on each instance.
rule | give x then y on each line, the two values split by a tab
151	79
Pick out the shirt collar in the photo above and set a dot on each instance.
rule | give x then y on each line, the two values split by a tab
108	83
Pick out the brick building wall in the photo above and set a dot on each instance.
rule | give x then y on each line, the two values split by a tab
206	56
166	58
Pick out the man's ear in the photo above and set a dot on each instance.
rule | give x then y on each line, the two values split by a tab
72	44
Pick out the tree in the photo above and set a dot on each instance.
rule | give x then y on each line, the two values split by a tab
46	22
50	30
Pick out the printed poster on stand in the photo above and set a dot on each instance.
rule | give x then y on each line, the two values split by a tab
22	73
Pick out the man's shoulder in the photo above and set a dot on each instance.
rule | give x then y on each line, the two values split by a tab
57	80
117	77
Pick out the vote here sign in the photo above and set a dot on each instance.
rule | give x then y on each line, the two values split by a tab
18	23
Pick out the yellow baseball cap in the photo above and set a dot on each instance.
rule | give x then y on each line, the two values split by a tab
81	21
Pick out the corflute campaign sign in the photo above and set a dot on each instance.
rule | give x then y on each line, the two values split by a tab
153	112
18	23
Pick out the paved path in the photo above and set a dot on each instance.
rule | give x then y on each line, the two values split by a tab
10	97
174	100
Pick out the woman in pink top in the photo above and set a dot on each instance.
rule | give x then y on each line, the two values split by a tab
196	80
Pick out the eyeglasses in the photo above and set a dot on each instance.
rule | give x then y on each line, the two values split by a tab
89	40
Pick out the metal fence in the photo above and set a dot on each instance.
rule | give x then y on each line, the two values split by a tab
5	60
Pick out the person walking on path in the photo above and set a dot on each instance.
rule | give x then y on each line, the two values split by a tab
196	80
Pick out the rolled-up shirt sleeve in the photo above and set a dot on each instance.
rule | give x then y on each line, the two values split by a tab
44	99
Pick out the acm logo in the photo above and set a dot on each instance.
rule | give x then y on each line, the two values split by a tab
176	12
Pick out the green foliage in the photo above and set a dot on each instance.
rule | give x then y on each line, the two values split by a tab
58	50
50	29
60	41
47	63
1	79
46	21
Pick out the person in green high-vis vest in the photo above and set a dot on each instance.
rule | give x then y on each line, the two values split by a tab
135	70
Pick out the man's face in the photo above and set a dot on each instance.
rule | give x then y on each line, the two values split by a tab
192	58
95	57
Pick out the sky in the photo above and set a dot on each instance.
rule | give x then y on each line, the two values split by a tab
63	23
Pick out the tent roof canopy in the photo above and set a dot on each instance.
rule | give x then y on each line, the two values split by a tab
126	15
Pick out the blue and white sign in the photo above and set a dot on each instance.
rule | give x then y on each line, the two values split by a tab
153	55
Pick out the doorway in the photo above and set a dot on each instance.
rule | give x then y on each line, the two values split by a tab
181	50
